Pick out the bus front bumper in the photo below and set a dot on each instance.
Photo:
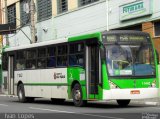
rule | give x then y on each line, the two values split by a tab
137	93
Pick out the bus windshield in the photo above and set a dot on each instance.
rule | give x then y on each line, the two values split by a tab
130	59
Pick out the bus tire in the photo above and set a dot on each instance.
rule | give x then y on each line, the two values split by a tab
21	93
77	96
123	103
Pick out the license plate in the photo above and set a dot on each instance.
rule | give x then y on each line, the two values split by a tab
135	92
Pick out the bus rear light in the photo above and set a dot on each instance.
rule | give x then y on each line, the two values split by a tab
112	85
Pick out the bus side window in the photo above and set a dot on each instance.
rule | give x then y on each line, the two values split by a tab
62	55
51	56
20	65
51	62
41	61
20	60
31	59
76	54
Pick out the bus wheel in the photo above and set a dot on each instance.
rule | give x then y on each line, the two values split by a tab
21	93
77	96
123	103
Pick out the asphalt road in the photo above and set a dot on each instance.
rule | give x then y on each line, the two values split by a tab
10	108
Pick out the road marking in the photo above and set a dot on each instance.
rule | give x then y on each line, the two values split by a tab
75	113
101	116
50	110
3	105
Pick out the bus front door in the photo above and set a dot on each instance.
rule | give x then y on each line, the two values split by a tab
92	65
11	75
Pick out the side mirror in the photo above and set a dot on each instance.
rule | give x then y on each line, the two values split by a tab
157	55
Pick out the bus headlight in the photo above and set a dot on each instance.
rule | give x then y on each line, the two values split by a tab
112	85
153	85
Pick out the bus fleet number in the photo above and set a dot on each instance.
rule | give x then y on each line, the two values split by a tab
20	75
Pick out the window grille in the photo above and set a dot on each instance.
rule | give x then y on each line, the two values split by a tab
24	12
86	2
44	8
12	14
62	6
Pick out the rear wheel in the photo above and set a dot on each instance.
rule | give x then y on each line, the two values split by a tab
77	96
123	103
21	93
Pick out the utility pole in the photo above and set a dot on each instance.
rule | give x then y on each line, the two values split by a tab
32	10
6	21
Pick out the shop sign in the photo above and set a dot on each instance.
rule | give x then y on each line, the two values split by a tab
135	9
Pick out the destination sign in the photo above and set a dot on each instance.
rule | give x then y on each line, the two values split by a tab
125	38
111	38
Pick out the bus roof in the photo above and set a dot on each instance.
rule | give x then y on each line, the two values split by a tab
62	40
85	37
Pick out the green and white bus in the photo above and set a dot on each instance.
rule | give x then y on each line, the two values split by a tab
114	65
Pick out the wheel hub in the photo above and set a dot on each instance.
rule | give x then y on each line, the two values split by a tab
77	94
20	94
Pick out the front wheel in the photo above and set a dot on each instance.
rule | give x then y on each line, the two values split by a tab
77	96
123	103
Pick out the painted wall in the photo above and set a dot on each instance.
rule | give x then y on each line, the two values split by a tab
45	31
84	20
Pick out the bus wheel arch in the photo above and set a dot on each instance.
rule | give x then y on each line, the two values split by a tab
73	83
20	82
77	94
